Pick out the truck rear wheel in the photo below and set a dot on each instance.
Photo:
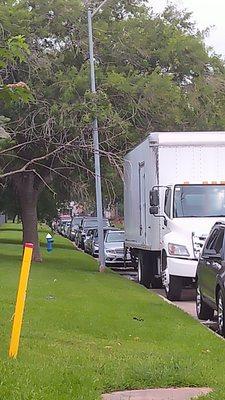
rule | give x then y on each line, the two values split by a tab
147	270
156	283
174	288
144	272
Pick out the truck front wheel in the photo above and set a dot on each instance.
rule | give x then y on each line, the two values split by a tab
174	288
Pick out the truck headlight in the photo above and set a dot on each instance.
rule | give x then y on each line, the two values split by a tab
177	250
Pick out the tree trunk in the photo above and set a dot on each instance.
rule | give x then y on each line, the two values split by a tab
28	192
30	225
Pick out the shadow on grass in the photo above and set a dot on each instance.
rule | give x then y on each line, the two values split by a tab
59	246
66	246
10	229
76	264
11	257
11	241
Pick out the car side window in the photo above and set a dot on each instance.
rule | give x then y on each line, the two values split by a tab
218	246
215	242
167	205
210	242
95	233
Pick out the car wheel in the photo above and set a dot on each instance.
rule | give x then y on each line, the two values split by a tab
203	310
220	312
173	288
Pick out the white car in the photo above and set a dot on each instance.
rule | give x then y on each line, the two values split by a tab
114	248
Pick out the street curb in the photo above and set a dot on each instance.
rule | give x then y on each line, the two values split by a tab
203	323
185	393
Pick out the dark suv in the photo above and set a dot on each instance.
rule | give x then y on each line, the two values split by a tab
211	277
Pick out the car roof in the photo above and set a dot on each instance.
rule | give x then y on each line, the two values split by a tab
105	228
219	223
92	218
113	230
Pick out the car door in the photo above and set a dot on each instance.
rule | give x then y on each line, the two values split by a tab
216	263
94	240
204	264
210	263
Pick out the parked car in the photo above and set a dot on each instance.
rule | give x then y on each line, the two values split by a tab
114	248
67	230
74	227
91	242
88	223
61	225
64	227
211	278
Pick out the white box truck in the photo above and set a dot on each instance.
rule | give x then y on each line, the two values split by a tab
174	191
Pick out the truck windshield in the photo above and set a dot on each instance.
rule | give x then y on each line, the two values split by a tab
199	201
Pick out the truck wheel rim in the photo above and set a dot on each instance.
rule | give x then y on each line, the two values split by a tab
220	314
198	301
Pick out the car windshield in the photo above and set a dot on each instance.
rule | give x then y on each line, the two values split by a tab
93	222
199	201
77	221
115	237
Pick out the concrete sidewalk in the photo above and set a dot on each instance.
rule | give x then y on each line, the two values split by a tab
158	394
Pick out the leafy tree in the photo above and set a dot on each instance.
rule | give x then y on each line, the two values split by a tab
153	74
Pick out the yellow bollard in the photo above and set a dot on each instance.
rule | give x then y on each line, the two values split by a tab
20	301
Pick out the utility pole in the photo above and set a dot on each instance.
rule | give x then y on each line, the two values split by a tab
98	187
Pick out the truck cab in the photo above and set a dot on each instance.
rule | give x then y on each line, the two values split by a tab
188	213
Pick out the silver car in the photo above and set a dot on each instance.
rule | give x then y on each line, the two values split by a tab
91	243
114	248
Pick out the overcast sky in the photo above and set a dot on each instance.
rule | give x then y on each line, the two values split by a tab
206	13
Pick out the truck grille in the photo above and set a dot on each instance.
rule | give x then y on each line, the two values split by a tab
198	243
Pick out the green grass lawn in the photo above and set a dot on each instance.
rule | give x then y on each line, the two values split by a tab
80	338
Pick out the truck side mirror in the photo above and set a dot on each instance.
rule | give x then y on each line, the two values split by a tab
154	210
154	197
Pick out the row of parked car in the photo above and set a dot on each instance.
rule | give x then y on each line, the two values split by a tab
84	232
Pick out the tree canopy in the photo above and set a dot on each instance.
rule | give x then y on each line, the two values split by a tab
154	73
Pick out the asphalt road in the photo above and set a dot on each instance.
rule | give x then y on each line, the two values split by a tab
187	302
